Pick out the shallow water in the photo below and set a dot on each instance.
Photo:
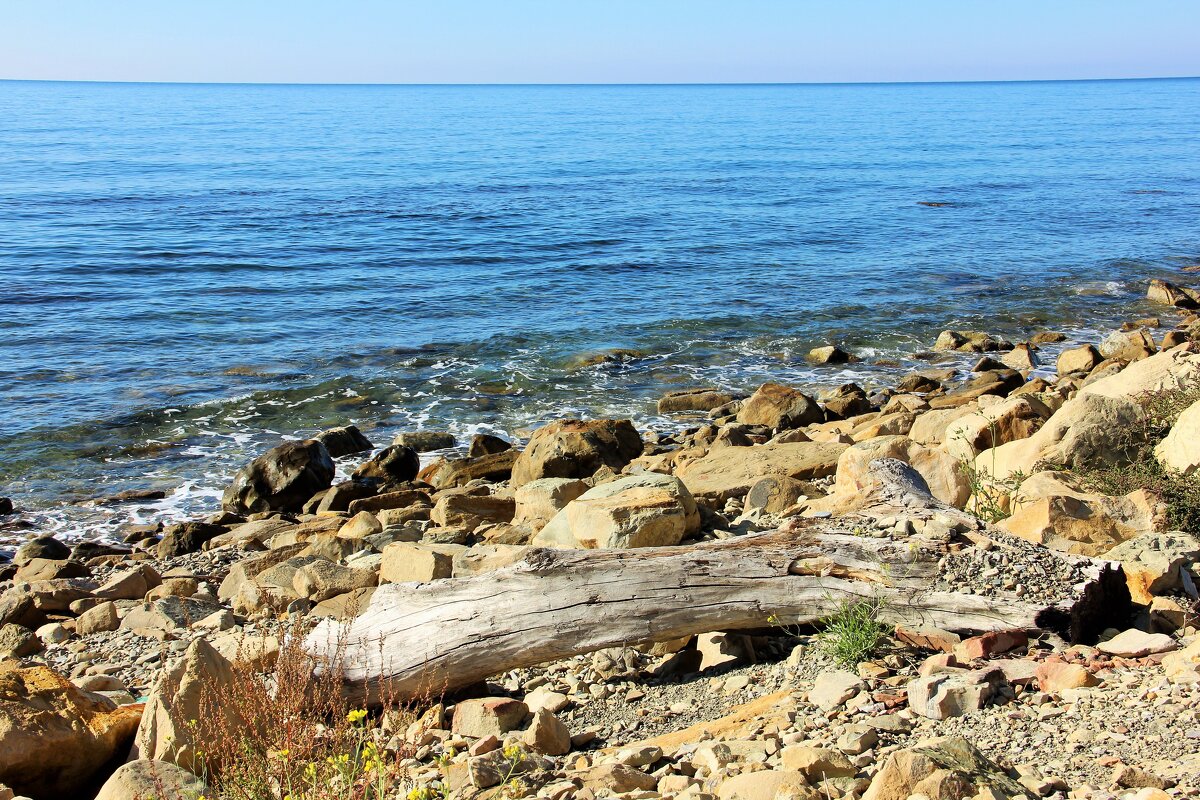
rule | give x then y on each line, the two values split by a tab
192	272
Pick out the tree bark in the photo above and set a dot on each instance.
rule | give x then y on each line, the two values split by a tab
421	640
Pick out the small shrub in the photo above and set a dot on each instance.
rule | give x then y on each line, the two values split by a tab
853	633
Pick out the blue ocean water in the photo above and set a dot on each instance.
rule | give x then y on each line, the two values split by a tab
191	272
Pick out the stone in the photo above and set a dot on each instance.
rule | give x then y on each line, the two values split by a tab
55	738
547	734
780	407
1153	562
17	641
927	637
360	526
817	763
990	644
1128	345
970	342
189	689
930	428
52	633
425	441
1130	777
574	448
537	502
1183	666
391	465
484	444
341	496
1022	357
486	558
455	472
385	501
616	778
344	441
1076	522
854	480
1167	293
778	493
469	511
1178	368
186	537
953	692
131	584
46	547
767	785
320	580
488	716
145	778
949	768
829	354
44	569
648	510
1055	677
718	649
249	568
405	562
167	614
543	698
1081	359
282	479
1180	450
731	471
1133	643
694	400
999	423
833	688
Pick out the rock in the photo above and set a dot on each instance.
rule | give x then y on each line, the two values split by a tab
6	506
1128	345
391	465
648	510
54	738
970	342
405	562
547	734
132	584
848	400
927	637
1161	291
17	641
1153	562
451	473
1180	450
1133	643
167	614
950	768
1021	357
1178	368
537	502
999	423
829	354
42	569
854	479
186	537
718	649
281	479
1082	359
52	633
767	785
833	688
320	580
694	400
1183	666
1134	778
249	568
385	501
469	511
543	698
616	778
780	407
573	448
360	526
425	441
344	441
777	494
989	645
731	471
953	692
486	558
144	778
1057	676
484	444
488	716
342	496
187	690
1077	522
46	547
817	763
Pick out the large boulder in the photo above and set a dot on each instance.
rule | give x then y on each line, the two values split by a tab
1153	563
573	448
1180	450
694	400
731	471
281	479
779	407
993	425
449	473
394	464
767	784
941	769
186	704
1177	368
648	510
144	779
1089	430
539	501
54	738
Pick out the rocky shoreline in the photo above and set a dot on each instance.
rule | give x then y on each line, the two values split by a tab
1029	484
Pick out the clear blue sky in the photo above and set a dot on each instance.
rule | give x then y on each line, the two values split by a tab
620	41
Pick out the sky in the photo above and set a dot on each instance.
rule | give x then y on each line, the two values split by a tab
596	41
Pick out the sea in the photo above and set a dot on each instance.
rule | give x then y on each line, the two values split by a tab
191	274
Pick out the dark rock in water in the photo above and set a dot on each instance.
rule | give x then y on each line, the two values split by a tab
341	495
449	473
618	355
41	547
830	354
1048	337
6	506
129	496
988	364
132	534
281	479
186	537
395	464
848	400
425	441
573	448
694	400
344	441
918	384
88	550
484	444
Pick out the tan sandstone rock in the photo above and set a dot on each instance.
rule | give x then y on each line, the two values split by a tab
573	448
1180	450
731	471
648	510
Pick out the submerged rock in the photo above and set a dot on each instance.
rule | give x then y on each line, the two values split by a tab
395	464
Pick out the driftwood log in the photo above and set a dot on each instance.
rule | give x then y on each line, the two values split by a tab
420	640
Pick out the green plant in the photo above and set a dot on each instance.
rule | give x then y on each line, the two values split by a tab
853	633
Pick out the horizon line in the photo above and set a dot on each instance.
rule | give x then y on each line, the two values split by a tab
597	83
